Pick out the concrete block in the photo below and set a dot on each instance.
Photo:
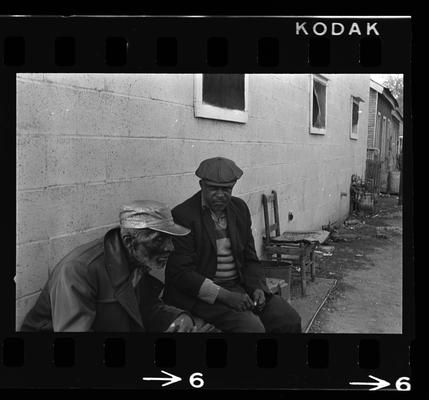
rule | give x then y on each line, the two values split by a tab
29	76
75	160
130	158
100	204
211	129
183	187
145	117
285	194
170	190
31	215
23	305
115	115
31	267
253	201
47	108
176	88
260	130
137	85
88	81
64	212
31	161
260	105
135	157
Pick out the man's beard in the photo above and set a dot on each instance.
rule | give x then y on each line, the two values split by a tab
156	262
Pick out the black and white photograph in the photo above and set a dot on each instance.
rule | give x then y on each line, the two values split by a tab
209	202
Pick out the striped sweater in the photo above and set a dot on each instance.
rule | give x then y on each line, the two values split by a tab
226	269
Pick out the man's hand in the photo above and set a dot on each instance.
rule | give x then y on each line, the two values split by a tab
183	323
258	297
237	301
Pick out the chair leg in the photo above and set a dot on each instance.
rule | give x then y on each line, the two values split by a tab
303	279
289	281
313	265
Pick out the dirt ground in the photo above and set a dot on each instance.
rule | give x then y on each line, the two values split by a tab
367	262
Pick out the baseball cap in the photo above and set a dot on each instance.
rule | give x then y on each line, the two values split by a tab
142	214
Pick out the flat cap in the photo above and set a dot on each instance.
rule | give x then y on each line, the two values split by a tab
141	214
219	171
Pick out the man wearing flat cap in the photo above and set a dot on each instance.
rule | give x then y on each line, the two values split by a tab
105	285
214	271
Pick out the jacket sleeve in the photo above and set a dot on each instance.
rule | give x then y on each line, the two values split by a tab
159	316
156	315
181	270
253	272
72	296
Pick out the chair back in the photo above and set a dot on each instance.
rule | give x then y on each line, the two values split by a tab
275	226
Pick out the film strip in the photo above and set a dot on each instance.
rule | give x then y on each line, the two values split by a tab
198	45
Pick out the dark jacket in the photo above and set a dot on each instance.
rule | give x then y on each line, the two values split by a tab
90	290
195	255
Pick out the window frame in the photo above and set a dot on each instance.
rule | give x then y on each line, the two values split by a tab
354	100
324	81
203	110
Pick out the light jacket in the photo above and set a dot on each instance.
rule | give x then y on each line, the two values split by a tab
90	290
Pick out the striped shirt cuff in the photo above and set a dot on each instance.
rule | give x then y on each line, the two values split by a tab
208	291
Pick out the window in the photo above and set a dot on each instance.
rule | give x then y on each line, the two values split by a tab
355	112
318	104
221	96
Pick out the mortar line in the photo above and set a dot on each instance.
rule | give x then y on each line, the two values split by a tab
188	139
94	90
63	235
130	179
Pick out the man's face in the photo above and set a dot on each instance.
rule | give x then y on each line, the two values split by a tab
152	249
216	197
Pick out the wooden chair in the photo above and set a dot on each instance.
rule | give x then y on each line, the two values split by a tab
299	254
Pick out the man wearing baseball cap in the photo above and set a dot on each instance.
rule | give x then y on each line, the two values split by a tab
214	271
105	285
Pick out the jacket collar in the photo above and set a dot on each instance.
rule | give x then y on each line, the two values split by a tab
119	273
231	218
209	225
207	219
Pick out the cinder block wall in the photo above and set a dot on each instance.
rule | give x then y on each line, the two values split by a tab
86	143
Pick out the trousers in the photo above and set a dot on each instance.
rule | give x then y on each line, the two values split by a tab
278	316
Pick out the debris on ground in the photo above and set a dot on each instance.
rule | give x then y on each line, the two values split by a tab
325	251
381	235
344	237
321	253
348	267
351	222
331	227
390	228
382	231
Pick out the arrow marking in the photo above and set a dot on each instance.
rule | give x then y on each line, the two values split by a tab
170	379
381	383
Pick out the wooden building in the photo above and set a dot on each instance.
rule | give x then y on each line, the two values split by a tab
385	126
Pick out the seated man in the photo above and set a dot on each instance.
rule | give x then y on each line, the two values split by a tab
214	271
105	286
